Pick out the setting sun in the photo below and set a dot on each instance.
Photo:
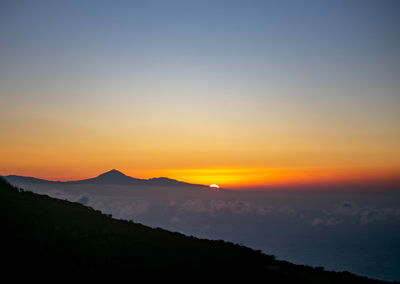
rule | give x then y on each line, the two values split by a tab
215	186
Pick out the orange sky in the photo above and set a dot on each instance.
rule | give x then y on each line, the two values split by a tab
195	145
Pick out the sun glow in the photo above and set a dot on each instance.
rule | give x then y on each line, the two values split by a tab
275	177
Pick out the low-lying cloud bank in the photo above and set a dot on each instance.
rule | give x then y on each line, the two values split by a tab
346	212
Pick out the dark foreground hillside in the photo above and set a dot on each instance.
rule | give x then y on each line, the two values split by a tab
49	239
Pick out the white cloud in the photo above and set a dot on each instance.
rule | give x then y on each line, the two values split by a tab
348	211
120	208
237	206
231	206
347	208
196	206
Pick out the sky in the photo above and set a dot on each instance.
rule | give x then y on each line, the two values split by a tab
238	93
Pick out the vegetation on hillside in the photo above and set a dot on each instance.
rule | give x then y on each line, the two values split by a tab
47	238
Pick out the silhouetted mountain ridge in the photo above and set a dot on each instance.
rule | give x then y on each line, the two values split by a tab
111	177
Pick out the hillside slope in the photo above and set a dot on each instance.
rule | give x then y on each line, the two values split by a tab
46	238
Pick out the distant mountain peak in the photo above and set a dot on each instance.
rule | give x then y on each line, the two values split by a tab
113	176
113	173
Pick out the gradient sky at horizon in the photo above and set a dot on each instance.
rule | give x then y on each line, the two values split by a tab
229	92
